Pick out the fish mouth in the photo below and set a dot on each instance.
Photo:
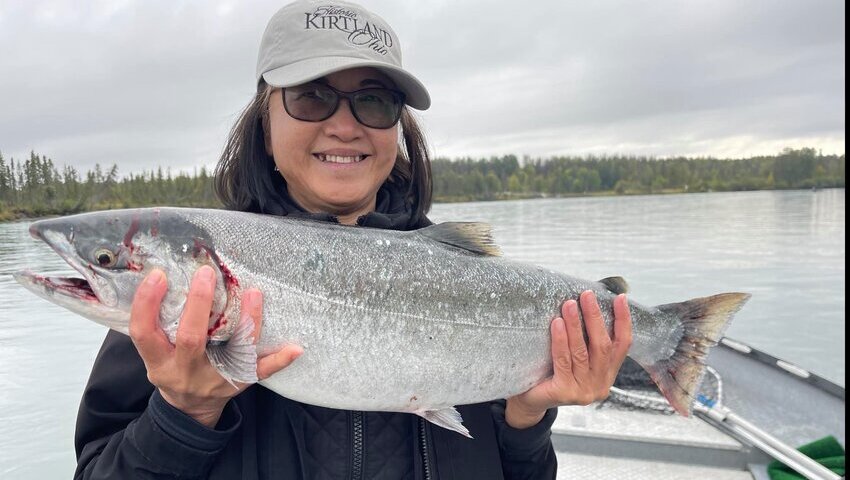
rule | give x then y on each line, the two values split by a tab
77	288
76	295
94	296
89	289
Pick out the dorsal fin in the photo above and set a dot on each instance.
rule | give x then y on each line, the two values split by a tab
473	237
616	285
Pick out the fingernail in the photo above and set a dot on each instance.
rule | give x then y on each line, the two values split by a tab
572	308
206	274
154	278
562	325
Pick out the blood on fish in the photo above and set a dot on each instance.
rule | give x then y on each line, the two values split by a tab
219	322
230	281
131	232
76	286
199	247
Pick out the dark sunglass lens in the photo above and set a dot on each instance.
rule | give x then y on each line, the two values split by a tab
312	102
378	108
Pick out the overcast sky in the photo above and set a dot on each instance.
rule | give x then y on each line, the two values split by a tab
150	83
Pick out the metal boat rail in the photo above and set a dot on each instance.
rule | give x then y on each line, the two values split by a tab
610	440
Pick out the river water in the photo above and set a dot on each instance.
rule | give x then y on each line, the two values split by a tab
786	248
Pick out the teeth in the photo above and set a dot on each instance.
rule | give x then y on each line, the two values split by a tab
339	158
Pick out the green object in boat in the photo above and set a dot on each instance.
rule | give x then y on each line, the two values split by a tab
826	451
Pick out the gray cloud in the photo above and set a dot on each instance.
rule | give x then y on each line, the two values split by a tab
144	84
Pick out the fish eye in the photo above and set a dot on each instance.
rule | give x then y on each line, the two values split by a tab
105	257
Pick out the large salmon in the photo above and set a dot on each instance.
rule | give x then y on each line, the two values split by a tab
414	321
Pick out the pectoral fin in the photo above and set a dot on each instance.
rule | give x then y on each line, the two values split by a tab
447	418
236	359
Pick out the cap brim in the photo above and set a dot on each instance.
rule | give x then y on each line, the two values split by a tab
313	68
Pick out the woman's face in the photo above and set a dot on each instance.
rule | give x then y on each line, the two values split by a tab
336	165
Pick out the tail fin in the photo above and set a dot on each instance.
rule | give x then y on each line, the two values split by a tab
703	320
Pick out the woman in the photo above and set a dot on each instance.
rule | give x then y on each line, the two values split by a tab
320	140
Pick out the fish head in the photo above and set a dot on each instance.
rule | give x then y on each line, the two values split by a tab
114	251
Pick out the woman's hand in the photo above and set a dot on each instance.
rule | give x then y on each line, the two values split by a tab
182	372
582	373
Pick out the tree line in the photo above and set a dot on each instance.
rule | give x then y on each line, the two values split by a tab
508	177
35	186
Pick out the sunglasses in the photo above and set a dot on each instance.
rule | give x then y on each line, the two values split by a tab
372	107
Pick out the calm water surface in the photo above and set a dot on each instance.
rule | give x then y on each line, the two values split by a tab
786	248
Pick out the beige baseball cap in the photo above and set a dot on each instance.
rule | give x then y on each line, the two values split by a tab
308	39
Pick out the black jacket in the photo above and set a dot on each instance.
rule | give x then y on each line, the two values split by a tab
125	430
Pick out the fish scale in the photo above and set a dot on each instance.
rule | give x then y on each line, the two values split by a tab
414	321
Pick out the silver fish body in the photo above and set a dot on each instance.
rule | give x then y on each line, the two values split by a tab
413	321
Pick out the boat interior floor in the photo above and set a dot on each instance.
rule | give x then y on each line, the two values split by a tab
612	440
597	442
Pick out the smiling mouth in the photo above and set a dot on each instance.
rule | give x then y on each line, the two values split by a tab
340	159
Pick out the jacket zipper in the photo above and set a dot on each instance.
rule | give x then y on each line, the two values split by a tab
423	445
357	445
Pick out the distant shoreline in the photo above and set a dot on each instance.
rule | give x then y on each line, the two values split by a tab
7	216
35	187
